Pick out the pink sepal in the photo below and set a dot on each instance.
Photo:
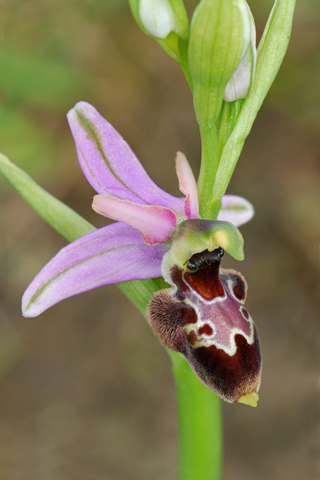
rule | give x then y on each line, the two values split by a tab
112	254
236	210
110	165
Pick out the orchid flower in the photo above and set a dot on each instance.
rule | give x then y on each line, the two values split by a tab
156	234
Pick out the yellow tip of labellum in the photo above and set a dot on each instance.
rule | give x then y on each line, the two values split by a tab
249	399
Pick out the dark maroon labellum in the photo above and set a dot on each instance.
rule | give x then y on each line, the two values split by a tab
203	317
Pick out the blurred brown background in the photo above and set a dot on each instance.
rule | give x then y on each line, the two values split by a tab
86	390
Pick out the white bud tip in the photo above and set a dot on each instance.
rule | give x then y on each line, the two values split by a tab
157	17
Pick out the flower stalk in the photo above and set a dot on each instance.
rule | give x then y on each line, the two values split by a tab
200	425
158	237
208	169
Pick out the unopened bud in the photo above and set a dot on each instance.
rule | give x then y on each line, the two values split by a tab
219	39
159	18
241	81
164	20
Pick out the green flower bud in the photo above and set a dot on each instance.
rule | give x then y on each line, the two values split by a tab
219	39
240	84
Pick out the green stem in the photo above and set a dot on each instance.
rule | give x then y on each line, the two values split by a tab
209	167
227	120
184	63
200	425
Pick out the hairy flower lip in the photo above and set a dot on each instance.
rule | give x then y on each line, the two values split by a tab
121	251
203	316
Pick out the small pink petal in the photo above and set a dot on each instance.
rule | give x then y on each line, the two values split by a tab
236	210
188	186
155	223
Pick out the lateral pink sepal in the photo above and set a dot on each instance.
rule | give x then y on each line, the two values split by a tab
155	223
112	254
236	210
